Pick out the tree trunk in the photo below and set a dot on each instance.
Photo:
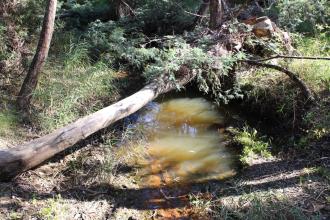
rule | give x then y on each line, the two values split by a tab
216	14
24	157
121	8
201	12
31	80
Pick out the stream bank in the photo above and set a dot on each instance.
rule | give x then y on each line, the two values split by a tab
103	181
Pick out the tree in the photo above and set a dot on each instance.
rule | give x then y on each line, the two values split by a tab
31	80
201	11
216	13
122	8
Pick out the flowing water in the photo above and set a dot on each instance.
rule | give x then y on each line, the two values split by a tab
185	144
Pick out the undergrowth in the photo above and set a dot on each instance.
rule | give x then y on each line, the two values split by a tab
70	90
253	145
9	120
273	96
261	205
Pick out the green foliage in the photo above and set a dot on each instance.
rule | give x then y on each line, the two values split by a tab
129	50
252	144
4	54
264	47
165	16
55	209
64	89
306	16
210	78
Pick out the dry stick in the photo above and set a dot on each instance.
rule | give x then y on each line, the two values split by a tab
293	57
302	85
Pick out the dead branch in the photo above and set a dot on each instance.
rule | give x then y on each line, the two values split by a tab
299	82
292	57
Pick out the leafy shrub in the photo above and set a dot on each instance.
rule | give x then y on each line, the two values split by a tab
306	16
252	144
165	16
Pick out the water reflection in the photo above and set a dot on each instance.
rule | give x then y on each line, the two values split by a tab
185	143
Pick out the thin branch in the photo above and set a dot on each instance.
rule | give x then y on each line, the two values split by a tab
190	13
300	83
293	57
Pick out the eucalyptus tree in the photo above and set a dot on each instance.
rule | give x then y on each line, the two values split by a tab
31	80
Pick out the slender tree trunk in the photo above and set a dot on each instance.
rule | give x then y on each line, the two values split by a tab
121	8
201	12
31	80
216	14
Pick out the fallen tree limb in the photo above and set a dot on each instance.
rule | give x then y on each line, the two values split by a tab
300	83
293	57
19	159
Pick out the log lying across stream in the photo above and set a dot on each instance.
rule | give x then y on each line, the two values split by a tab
21	158
24	157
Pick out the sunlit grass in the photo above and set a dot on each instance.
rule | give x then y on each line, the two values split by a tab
280	98
8	122
54	209
70	90
252	144
265	205
315	72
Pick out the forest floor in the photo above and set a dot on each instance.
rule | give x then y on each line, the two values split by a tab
78	186
92	181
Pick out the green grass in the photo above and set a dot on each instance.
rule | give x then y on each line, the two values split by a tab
9	120
54	209
262	205
316	73
273	94
70	90
253	145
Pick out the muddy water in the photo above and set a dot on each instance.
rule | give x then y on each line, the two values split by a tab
185	143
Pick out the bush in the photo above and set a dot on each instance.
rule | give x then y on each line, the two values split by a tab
305	16
252	144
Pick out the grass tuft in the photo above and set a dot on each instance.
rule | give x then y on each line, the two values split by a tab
68	92
9	120
253	145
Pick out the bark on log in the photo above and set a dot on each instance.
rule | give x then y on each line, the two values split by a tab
17	160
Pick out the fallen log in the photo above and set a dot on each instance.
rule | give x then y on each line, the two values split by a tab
21	158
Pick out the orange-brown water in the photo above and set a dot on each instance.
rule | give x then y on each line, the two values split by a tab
186	143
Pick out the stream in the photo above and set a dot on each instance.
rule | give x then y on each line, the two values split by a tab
185	143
